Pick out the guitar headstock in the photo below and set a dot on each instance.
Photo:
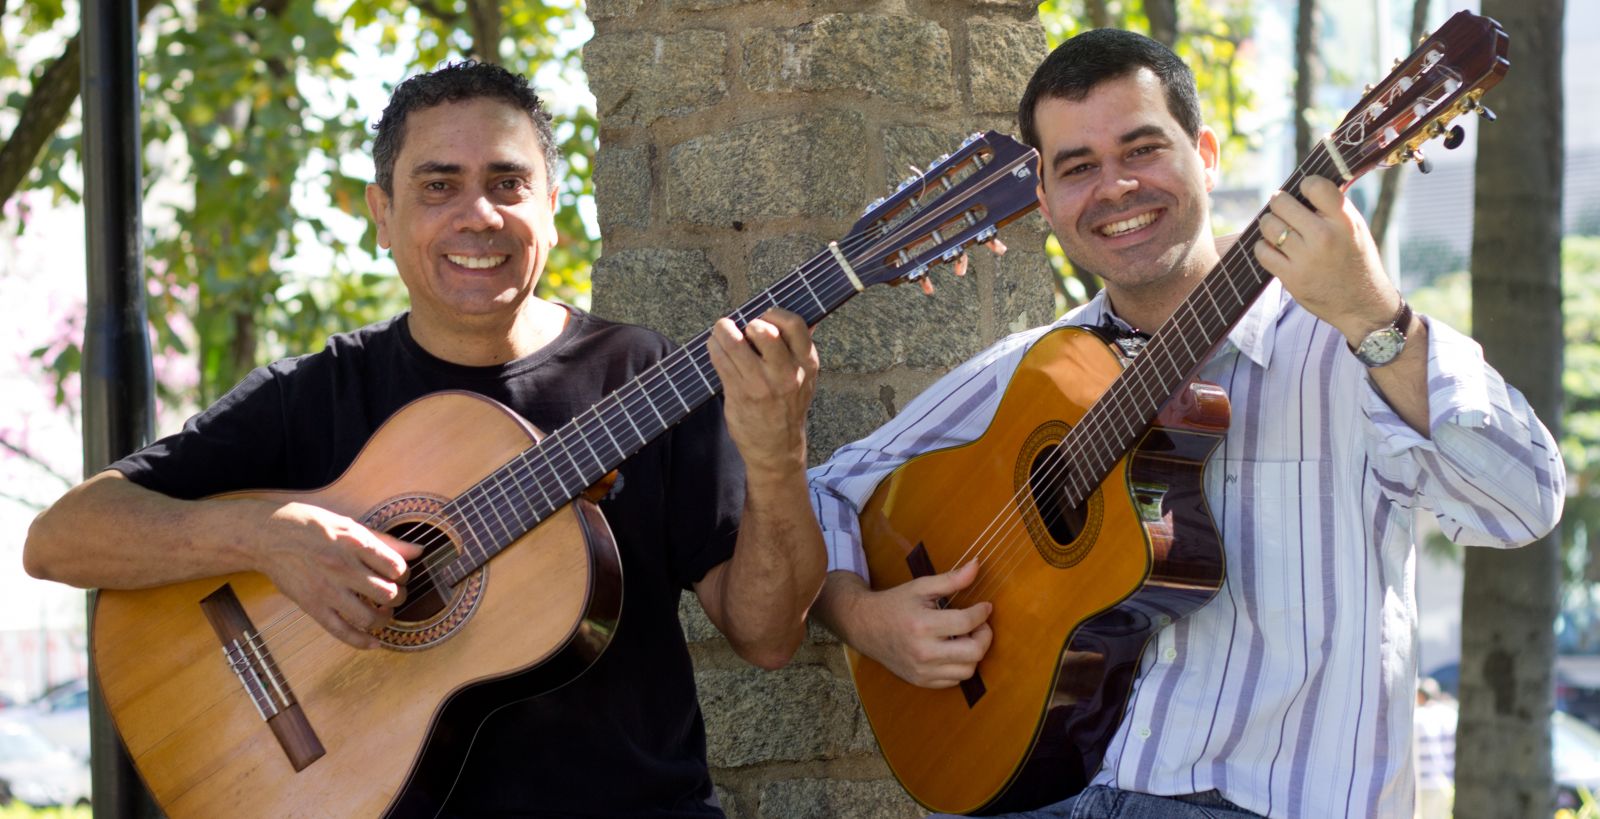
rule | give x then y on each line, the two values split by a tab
964	198
1444	78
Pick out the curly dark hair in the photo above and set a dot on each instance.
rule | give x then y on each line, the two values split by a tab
1085	61
457	82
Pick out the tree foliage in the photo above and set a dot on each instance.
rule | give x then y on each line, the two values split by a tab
256	118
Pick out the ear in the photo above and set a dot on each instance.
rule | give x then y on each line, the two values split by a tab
1044	201
1210	150
378	204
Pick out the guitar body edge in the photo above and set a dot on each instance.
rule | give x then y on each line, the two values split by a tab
1070	618
388	720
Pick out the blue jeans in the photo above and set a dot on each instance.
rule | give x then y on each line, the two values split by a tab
1100	802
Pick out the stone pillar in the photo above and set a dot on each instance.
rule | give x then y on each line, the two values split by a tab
736	139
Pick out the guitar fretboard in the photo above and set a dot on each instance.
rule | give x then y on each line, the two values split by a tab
1202	320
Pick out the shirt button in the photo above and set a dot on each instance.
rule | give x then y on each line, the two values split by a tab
1144	733
1163	620
1171	654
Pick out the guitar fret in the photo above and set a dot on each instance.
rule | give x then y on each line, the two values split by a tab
695	359
652	405
820	305
606	427
671	383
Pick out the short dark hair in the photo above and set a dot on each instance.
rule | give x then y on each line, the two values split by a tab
1098	55
457	82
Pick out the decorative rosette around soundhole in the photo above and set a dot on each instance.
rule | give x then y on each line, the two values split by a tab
1062	532
431	612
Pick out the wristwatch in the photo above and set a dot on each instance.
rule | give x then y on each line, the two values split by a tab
1384	344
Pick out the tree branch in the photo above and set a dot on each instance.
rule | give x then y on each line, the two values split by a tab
28	456
431	9
47	106
1389	186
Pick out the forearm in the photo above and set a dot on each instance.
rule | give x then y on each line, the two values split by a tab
836	605
766	589
109	532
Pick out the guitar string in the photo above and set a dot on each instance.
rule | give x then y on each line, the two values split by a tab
651	392
1005	537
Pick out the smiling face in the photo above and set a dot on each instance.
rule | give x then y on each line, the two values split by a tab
472	217
1125	188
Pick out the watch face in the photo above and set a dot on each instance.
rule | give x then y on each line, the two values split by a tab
1380	347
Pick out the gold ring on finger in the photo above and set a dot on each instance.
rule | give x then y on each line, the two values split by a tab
1282	237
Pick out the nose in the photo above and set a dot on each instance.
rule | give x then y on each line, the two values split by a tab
479	213
1115	182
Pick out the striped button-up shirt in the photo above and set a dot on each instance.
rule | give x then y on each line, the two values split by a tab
1292	691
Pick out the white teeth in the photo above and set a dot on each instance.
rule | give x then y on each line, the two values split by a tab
1116	228
477	262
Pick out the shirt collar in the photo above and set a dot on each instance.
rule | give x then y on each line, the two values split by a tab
1252	336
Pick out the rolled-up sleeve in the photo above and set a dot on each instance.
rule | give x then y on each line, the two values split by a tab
1489	470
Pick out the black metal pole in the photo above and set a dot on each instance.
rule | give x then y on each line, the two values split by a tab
118	382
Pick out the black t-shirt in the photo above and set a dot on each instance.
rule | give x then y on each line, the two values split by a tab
626	738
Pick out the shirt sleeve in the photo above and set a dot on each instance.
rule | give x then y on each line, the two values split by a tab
954	411
236	443
1489	470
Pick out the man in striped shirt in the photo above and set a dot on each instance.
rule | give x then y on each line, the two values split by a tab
1291	692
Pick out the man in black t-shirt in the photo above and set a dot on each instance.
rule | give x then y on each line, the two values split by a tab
464	201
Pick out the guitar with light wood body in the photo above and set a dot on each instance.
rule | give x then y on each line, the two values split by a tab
232	703
1083	500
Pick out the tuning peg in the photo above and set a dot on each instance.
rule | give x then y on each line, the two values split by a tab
1423	163
1455	137
1486	113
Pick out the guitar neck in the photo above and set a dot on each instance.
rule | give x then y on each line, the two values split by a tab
1172	356
548	475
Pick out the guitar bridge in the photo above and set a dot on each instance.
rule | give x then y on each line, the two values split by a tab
251	661
972	688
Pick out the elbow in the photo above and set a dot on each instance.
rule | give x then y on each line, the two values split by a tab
773	654
37	555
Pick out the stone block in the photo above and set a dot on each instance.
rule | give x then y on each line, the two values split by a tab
807	165
914	146
886	327
676	292
902	60
1001	57
608	9
638	77
835	799
704	5
622	187
795	713
839	417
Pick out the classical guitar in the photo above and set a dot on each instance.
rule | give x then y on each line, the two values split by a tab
1083	499
233	704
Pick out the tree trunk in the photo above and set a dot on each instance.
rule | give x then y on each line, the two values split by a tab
1510	600
733	148
485	30
1163	17
1389	186
1099	16
1307	75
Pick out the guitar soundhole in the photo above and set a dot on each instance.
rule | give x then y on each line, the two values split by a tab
1047	482
425	598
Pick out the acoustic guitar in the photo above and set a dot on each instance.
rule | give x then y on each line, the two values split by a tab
1083	499
232	703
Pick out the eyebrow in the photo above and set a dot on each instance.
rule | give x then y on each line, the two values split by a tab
1067	154
431	168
